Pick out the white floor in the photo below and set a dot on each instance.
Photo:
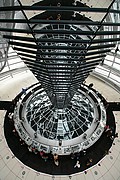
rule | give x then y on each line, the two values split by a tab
12	169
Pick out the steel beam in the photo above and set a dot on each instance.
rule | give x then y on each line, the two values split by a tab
58	53
57	9
45	21
60	47
83	60
52	40
48	31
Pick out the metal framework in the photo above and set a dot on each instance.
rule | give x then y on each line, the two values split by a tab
59	44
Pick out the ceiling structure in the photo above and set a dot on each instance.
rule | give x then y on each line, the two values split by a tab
60	42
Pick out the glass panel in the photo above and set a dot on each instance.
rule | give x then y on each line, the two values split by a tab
102	70
116	78
117	60
109	63
116	66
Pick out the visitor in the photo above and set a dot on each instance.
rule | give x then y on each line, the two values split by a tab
55	156
24	91
21	142
116	135
77	164
58	4
72	156
43	155
90	85
106	128
84	152
10	115
89	162
30	148
58	16
15	132
109	133
77	155
34	150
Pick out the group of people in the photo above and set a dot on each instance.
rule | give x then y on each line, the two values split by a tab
109	132
76	156
45	156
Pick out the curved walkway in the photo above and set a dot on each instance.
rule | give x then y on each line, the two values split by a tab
96	152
